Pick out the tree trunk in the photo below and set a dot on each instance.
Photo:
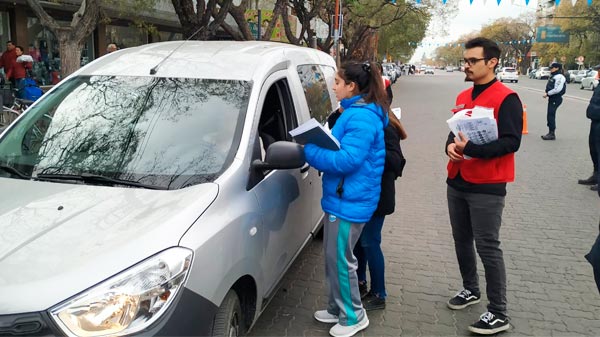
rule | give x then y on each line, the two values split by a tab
198	21
366	47
70	53
70	37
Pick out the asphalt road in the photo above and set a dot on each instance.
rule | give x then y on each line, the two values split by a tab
549	223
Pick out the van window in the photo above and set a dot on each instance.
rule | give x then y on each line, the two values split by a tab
277	116
167	132
316	91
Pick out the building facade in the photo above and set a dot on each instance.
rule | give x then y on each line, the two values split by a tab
19	24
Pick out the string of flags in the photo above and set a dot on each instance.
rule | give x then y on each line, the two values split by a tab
557	2
462	44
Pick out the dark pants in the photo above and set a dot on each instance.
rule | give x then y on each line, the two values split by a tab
594	142
368	252
477	217
553	104
20	86
594	259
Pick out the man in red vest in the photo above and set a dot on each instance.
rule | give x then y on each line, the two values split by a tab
477	186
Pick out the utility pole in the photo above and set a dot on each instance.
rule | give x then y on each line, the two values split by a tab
336	30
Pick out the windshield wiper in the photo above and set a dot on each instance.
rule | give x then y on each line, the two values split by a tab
88	177
14	171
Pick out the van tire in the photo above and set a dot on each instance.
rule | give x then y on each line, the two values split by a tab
229	320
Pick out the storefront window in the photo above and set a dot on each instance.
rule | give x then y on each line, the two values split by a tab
169	36
125	37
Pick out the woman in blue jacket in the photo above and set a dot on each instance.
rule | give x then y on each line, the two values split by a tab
351	188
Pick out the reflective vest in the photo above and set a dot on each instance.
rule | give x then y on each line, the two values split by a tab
484	171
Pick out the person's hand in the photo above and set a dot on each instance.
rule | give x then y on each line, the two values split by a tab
461	141
453	153
545	95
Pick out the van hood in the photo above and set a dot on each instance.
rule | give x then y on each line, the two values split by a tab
57	239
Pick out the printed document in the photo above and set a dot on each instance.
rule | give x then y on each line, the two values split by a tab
478	124
315	133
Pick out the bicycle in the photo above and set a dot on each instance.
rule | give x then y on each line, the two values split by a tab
10	114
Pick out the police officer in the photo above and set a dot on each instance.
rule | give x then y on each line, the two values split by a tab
555	89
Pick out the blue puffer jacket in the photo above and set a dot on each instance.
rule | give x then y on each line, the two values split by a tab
359	161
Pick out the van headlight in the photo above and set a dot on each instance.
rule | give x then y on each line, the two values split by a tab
129	301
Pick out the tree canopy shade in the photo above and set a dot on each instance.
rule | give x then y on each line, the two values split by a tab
582	22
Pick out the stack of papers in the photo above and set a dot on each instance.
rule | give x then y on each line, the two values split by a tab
478	124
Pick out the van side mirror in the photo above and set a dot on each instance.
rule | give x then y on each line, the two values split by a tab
281	155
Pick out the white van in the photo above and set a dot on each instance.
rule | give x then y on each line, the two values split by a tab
157	191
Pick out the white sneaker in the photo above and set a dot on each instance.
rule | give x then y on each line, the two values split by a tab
325	317
350	330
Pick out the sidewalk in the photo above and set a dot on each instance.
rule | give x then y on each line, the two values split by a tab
549	223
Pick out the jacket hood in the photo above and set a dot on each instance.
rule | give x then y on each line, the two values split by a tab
358	100
57	240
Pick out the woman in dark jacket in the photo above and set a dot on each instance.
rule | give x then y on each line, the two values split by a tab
368	249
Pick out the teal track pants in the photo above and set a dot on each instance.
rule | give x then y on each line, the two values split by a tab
339	237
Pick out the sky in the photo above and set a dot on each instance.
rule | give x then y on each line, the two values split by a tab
471	17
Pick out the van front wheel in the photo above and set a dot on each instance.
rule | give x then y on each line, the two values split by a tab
229	318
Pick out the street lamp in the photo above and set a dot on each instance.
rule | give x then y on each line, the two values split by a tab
530	34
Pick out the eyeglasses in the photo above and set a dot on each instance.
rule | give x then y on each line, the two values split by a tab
472	61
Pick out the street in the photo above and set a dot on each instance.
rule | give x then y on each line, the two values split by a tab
549	224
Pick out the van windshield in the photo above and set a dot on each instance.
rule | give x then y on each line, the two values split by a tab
164	132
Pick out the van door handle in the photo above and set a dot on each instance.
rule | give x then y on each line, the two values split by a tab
305	168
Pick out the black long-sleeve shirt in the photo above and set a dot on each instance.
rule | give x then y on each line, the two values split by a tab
510	127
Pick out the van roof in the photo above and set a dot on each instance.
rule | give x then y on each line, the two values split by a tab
235	60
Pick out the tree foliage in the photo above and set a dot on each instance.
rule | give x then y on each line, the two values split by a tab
582	22
513	36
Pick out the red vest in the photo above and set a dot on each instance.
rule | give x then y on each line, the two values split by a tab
485	171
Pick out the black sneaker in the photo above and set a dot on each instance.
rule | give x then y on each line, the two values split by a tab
463	299
373	302
489	324
363	288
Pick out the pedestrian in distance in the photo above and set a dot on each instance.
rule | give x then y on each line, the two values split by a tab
593	113
477	186
111	48
351	188
8	59
555	89
19	70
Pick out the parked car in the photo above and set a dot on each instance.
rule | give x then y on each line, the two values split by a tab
449	69
429	70
156	192
581	74
508	74
590	82
570	75
543	73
